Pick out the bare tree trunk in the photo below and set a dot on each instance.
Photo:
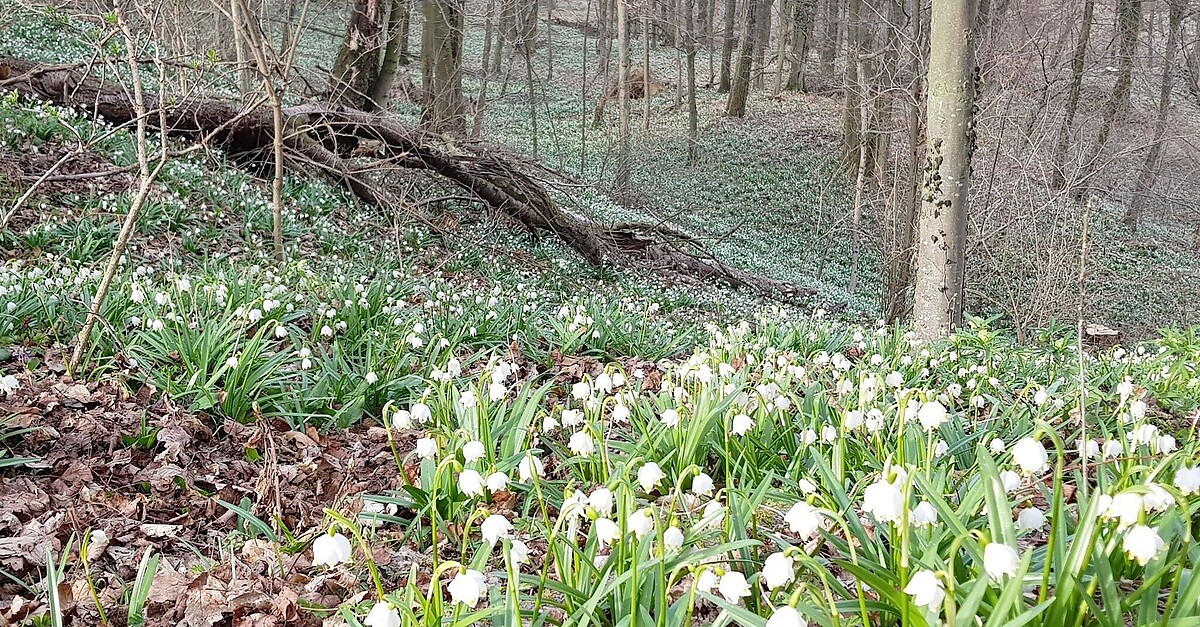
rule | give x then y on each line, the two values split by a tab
622	182
441	58
526	49
860	183
853	89
550	41
645	73
739	91
802	36
897	300
1064	132
358	59
389	67
763	41
727	40
583	91
243	68
1145	180
829	44
693	112
1129	20
938	295
405	30
786	26
484	73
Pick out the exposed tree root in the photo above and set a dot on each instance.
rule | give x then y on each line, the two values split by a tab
360	149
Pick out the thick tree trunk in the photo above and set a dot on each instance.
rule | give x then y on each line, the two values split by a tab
389	67
853	89
830	42
1145	180
739	91
358	60
727	42
762	36
938	295
1058	180
801	37
441	60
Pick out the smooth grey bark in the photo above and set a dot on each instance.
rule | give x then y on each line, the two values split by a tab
942	225
389	67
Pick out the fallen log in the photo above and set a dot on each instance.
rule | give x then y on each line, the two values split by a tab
334	140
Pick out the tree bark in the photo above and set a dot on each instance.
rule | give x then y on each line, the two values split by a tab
762	35
1145	180
739	90
897	301
1058	180
829	44
622	179
938	294
801	36
357	64
1129	21
441	59
389	67
727	41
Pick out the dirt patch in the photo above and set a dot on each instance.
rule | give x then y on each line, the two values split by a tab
141	475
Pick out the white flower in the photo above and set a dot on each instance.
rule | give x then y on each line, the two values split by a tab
931	415
649	475
1030	456
1000	560
529	467
741	424
884	501
519	552
606	530
371	378
670	418
497	481
495	527
940	448
894	379
8	383
426	448
1040	397
787	616
470	482
581	391
1137	410
1030	519
926	589
707	580
421	413
1163	444
1010	480
733	586
402	419
473	451
231	363
1142	543
673	538
326	331
1156	499
331	549
1125	507
601	500
382	615
923	514
640	523
571	417
778	570
1187	480
803	519
582	444
467	588
468	399
702	484
996	446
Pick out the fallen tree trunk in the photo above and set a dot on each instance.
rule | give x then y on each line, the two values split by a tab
334	139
